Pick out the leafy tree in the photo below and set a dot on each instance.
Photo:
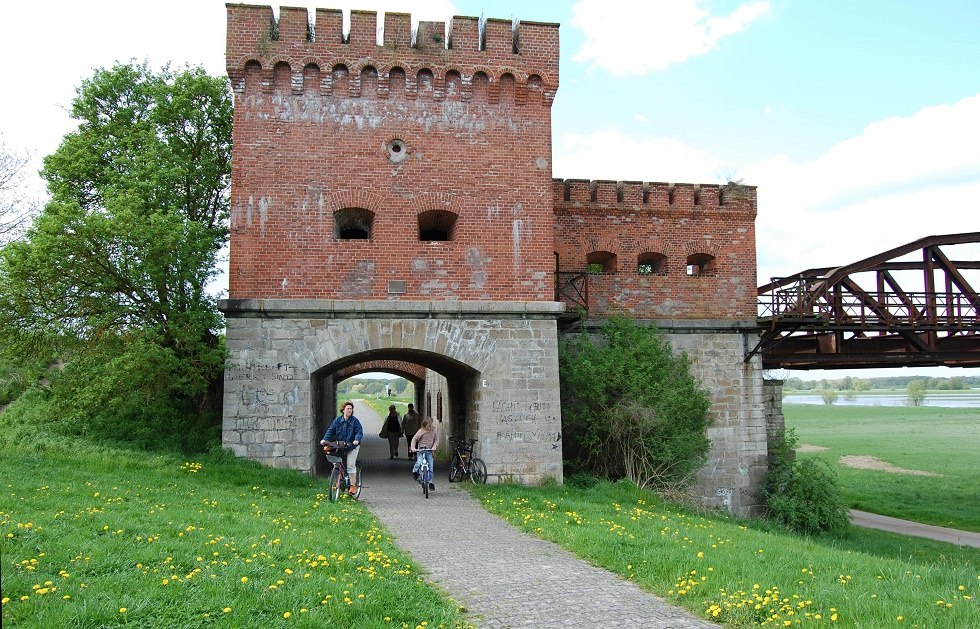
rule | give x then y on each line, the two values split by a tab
829	395
915	392
112	273
861	385
631	408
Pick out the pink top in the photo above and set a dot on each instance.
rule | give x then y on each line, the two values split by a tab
424	439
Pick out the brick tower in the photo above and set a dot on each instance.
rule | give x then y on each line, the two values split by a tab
392	201
400	169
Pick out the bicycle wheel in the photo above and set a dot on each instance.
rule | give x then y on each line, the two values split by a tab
455	469
357	483
335	482
425	476
478	471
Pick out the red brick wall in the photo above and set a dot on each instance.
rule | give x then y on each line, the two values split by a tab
312	119
631	218
309	141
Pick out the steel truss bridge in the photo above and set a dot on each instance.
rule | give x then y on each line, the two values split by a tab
911	306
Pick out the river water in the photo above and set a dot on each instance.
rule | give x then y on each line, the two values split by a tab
960	400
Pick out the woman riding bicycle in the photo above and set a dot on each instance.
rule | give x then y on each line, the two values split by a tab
348	429
427	438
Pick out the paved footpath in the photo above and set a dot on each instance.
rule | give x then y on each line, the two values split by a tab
905	527
503	577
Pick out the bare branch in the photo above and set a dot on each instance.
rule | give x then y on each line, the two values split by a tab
15	206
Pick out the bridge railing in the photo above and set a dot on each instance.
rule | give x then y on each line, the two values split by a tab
871	310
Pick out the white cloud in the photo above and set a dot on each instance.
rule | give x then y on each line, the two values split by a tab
611	154
901	179
656	35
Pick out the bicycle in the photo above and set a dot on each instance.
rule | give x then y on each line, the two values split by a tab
425	473
339	478
465	464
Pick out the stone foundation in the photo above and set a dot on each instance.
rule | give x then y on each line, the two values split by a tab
498	359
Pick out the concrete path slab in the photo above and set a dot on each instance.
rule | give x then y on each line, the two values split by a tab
915	529
503	577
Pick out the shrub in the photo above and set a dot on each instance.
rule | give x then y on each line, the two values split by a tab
803	495
631	408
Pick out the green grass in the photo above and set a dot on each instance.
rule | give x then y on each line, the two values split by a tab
104	538
736	574
943	441
380	405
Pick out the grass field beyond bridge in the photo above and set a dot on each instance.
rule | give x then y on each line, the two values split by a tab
932	452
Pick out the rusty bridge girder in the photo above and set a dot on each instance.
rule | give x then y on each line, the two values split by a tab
909	306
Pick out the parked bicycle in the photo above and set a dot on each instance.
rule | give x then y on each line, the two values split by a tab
464	464
336	453
425	472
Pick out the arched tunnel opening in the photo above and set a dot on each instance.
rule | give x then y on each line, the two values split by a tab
445	389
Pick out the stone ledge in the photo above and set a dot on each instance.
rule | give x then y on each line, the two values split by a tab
386	309
690	326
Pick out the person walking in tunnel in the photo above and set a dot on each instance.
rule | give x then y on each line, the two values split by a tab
411	422
393	427
426	437
347	428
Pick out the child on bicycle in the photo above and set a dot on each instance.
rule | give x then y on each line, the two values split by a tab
347	428
426	437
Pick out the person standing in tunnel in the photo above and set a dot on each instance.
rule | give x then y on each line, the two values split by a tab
348	429
411	422
393	427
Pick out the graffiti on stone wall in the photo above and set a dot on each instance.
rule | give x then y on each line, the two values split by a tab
259	370
725	493
265	401
262	423
516	412
529	436
510	411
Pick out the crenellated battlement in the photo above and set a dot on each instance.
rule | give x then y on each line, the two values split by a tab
599	194
495	59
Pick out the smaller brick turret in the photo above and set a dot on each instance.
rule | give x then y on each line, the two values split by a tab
659	250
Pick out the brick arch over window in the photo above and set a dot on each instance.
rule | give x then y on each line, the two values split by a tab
353	223
600	256
702	258
437	214
653	258
437	225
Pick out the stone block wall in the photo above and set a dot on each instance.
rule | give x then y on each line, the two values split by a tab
738	458
498	361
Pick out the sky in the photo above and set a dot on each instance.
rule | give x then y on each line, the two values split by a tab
859	122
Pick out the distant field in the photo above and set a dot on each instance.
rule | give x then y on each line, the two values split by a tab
944	442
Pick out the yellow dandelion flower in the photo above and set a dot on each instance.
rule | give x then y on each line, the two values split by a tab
244	579
226	610
286	615
123	610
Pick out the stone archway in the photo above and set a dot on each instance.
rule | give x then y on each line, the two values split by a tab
460	389
498	361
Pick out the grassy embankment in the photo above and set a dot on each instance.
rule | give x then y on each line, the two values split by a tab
101	537
944	442
743	575
94	536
